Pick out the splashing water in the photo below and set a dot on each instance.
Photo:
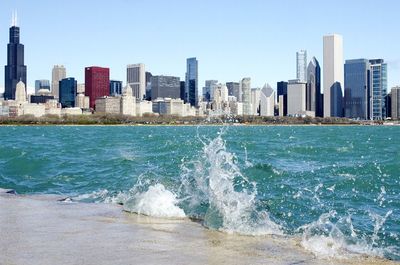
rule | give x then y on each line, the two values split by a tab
228	198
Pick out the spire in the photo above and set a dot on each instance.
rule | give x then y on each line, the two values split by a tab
14	19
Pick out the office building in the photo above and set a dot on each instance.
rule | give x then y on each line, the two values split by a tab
148	85
59	72
136	78
395	106
333	71
67	92
267	101
301	65
15	70
208	92
356	89
234	90
42	96
165	87
97	83
182	90
281	89
245	85
255	95
296	97
42	84
313	94
115	87
378	72
191	81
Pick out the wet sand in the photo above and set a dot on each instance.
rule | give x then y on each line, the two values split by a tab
40	229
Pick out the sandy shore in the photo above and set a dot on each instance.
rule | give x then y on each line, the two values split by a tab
40	229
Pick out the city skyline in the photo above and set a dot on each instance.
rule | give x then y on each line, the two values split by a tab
218	45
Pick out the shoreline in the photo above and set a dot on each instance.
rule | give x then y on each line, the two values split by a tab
43	229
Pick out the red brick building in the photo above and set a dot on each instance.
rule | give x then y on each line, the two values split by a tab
97	83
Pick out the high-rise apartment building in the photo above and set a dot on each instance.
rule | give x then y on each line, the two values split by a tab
15	70
378	71
67	92
245	85
357	89
136	78
97	83
313	93
395	113
333	75
165	87
301	65
42	84
191	82
115	87
59	72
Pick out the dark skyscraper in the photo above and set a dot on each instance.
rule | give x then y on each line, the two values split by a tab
15	70
115	87
68	92
191	90
281	88
165	87
313	91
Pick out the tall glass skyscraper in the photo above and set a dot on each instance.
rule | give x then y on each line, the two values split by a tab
15	70
115	87
356	89
42	84
313	91
301	65
68	92
192	81
378	89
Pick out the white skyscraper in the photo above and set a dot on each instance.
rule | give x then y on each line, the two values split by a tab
59	72
333	74
136	78
267	101
246	95
301	65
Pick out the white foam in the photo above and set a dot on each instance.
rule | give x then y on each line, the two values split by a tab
156	202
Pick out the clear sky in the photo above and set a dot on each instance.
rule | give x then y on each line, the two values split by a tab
231	39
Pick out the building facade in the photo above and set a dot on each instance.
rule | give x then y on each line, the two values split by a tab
395	113
357	89
59	72
313	94
42	84
301	65
267	101
296	97
208	92
67	92
15	70
136	78
234	90
192	81
97	83
165	87
378	69
115	88
281	89
333	74
245	86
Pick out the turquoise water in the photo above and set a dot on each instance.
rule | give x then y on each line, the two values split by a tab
337	189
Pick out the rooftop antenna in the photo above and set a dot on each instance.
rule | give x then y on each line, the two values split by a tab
14	19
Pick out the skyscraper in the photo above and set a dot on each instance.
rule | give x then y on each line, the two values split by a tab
67	92
301	65
115	87
42	84
281	88
136	78
15	70
97	83
378	70
234	90
333	74
356	89
313	92
245	85
165	87
192	81
208	90
57	74
395	103
296	97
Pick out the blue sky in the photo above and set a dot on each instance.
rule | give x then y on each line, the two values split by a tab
231	39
